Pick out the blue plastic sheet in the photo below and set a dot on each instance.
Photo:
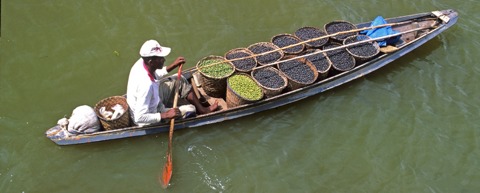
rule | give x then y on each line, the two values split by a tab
382	31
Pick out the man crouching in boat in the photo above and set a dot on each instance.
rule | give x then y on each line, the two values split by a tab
149	96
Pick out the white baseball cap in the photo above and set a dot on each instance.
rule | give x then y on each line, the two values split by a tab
152	48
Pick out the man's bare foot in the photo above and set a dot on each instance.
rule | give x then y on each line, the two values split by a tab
213	107
209	109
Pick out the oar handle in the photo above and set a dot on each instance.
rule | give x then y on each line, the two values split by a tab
177	86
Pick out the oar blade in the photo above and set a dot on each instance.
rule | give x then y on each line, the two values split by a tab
167	172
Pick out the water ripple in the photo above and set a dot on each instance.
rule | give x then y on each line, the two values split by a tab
205	160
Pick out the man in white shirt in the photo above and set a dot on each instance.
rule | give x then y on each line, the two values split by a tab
147	94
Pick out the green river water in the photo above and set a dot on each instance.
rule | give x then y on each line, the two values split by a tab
412	126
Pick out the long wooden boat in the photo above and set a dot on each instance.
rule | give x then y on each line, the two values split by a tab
432	24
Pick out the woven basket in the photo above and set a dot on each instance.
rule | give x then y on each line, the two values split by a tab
293	84
120	122
312	44
336	66
214	86
291	50
358	58
259	56
341	37
270	92
233	99
323	72
246	68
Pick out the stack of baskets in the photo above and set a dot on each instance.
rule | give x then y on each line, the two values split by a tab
305	48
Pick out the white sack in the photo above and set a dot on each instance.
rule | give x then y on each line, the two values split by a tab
83	120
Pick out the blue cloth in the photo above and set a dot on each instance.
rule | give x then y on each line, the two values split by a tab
382	31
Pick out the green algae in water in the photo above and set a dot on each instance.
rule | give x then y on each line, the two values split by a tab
219	69
245	87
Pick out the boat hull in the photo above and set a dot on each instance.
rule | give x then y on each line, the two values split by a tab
269	103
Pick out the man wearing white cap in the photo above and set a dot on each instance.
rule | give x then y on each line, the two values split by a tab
148	96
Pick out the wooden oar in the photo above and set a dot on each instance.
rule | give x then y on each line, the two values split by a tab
168	168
